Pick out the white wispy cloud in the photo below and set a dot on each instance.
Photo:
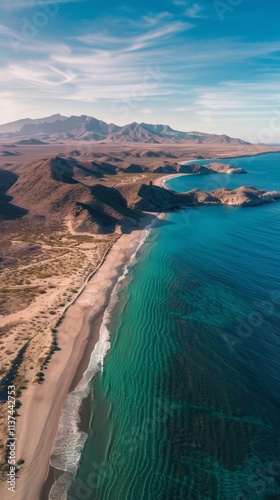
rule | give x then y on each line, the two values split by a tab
88	73
88	76
27	4
155	59
19	44
180	3
152	19
159	34
140	34
181	109
193	10
239	101
13	104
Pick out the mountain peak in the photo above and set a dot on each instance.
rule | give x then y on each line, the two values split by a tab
87	128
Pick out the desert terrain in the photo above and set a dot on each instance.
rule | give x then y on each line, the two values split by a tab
65	210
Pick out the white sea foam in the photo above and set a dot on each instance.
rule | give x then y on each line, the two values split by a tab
60	488
69	441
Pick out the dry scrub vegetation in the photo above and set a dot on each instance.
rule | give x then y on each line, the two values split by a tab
42	268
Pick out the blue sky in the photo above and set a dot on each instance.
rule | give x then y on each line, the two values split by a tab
208	65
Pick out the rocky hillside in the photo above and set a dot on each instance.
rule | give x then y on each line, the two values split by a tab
101	196
49	190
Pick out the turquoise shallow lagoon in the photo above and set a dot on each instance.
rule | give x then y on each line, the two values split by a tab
187	405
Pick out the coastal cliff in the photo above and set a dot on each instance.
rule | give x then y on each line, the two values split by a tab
156	198
211	168
245	196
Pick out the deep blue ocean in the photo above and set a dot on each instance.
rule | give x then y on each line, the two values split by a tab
187	405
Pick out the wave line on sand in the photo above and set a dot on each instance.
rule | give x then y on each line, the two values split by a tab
70	440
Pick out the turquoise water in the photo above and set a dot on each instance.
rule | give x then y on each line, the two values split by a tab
187	405
263	172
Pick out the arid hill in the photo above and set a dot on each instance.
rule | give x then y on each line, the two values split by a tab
100	196
7	209
50	189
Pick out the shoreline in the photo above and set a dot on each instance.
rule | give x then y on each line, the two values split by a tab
162	180
245	155
165	178
78	333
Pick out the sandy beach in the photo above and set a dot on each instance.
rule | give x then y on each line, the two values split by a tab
41	403
162	180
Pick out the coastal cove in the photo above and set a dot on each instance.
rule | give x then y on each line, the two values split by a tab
187	403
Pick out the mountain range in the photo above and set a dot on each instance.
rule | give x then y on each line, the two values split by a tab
56	128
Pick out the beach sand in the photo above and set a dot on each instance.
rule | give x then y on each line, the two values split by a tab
41	404
162	180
